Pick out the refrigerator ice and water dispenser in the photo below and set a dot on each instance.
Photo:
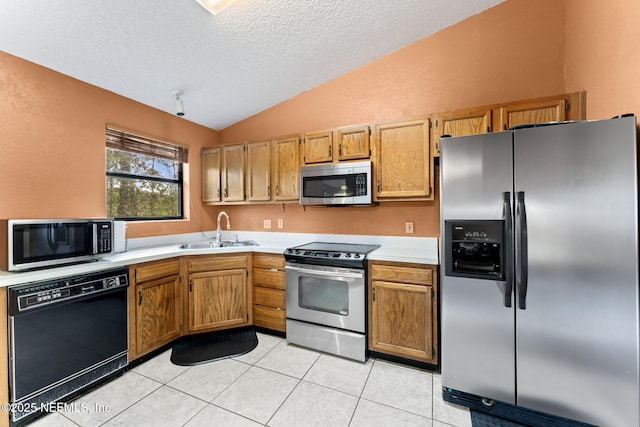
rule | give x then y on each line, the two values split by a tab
475	249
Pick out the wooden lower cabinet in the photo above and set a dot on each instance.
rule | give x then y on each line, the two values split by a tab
269	294
155	305
219	297
403	310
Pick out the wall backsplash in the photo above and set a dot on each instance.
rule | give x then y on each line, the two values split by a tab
385	219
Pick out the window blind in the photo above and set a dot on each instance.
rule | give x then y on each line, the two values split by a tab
125	141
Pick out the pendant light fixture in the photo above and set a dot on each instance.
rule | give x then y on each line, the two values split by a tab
179	105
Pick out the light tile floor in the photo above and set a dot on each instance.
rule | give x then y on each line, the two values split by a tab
276	384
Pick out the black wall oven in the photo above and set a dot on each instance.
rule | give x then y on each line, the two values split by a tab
64	335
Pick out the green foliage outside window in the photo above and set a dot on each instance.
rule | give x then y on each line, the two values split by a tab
141	186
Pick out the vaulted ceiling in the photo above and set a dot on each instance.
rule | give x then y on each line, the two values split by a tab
249	57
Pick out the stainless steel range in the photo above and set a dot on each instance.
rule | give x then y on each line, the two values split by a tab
326	297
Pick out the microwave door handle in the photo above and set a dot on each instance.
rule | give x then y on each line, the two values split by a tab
507	247
94	230
325	273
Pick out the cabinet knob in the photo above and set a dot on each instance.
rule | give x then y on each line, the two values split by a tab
329	151
226	192
277	190
218	193
269	190
140	297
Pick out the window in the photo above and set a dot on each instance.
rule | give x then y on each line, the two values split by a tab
144	177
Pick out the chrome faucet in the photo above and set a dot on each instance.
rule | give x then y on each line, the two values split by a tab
218	230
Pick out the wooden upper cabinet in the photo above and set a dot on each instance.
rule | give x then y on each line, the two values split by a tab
353	143
460	123
347	143
318	147
233	171
259	171
403	163
286	168
210	164
524	113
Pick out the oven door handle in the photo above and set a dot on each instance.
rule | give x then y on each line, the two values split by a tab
335	273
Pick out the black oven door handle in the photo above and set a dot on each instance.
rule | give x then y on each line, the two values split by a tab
325	273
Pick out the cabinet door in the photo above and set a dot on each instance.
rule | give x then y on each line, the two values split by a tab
353	143
233	173
286	168
318	147
403	167
158	313
401	320
218	300
259	171
210	163
460	123
553	110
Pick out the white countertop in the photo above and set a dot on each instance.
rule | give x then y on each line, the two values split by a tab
420	250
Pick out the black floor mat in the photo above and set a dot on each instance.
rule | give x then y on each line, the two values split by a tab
480	419
210	346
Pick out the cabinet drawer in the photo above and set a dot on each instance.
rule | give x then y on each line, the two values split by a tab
420	276
271	318
269	278
269	297
268	261
216	262
155	270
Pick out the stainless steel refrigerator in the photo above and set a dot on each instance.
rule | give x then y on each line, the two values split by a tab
539	294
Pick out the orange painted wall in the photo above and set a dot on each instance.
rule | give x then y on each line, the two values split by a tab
52	126
52	133
602	44
510	52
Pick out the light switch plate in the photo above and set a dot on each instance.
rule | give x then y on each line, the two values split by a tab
280	223
408	227
267	223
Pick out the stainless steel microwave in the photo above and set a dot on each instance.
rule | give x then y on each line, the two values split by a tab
336	184
35	243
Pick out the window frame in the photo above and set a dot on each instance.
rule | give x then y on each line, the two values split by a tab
121	140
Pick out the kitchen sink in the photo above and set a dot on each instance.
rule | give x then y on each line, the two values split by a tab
210	244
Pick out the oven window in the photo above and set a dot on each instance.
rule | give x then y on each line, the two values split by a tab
331	296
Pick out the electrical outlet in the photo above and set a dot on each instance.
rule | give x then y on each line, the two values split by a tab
408	227
280	223
267	223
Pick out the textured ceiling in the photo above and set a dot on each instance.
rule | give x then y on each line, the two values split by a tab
249	57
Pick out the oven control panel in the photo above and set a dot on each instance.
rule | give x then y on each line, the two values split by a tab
324	254
37	294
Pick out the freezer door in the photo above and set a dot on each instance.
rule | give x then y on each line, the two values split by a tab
477	326
577	324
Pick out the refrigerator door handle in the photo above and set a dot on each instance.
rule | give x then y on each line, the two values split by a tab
521	251
508	242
